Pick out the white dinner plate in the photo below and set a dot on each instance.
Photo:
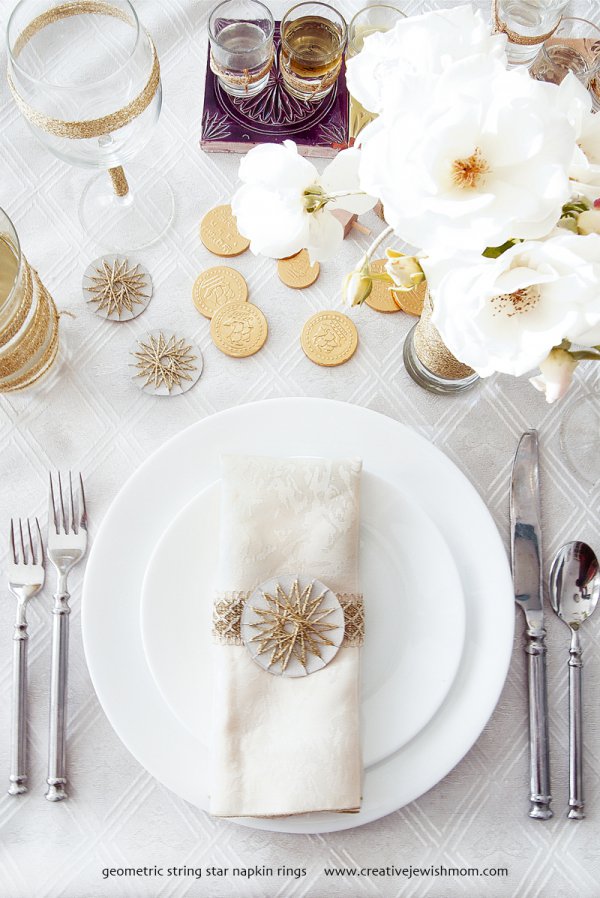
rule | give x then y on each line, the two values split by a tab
189	462
406	571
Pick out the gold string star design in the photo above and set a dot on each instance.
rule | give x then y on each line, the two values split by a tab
165	361
293	625
118	287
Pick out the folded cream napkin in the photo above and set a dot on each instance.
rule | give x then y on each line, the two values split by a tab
284	745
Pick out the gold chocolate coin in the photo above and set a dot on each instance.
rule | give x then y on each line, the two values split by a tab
380	297
215	287
239	329
219	233
329	338
412	301
297	272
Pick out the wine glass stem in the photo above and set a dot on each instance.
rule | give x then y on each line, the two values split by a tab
119	181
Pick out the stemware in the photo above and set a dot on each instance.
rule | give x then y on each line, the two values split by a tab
241	46
86	76
574	47
313	40
527	24
28	316
379	17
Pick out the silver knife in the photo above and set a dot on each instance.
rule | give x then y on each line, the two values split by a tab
526	553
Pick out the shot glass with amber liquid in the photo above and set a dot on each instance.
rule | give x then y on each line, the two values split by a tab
313	40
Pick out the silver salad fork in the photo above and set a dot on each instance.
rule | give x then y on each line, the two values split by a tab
25	580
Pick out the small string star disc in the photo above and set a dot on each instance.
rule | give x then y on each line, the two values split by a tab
329	338
297	272
165	364
219	233
239	329
292	625
119	288
216	287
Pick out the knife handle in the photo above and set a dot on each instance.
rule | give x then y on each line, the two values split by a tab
575	735
538	725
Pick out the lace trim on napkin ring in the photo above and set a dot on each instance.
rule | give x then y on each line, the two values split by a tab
228	607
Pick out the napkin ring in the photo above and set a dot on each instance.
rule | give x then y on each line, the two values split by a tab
291	625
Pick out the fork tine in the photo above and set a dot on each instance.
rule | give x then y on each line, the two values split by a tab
53	503
41	541
33	559
83	519
12	541
24	556
74	523
62	504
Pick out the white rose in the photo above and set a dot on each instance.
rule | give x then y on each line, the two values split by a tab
394	65
584	170
507	314
284	204
556	374
481	161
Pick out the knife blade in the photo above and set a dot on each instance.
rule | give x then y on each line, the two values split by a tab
526	555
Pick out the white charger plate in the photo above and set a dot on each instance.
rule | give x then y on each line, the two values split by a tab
160	489
403	561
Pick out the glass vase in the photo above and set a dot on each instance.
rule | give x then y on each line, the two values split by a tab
429	361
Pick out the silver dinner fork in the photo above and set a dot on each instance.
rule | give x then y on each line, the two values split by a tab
67	542
25	580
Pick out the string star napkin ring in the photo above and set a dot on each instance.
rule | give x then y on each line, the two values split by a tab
166	364
118	288
292	625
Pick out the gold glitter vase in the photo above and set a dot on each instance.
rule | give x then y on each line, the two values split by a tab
28	317
430	363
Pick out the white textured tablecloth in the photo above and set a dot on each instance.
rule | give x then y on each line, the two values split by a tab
94	418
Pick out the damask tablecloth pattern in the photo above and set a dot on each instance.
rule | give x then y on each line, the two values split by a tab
93	418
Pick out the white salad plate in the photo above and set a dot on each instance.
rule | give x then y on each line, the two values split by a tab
403	563
190	462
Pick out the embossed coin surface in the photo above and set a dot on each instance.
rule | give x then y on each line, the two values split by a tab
412	302
239	329
329	338
297	271
380	297
216	287
219	233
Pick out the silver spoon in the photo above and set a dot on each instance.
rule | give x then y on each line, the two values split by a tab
574	591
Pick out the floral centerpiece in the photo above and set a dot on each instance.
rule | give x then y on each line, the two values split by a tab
490	175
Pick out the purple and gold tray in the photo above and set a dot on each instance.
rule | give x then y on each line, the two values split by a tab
235	125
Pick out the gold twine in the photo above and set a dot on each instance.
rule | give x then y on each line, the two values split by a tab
500	27
119	181
228	608
433	352
245	79
32	340
82	130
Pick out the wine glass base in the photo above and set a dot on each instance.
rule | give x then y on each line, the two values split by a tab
130	222
580	439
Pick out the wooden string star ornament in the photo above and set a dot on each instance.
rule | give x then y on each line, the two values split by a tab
166	363
119	290
293	628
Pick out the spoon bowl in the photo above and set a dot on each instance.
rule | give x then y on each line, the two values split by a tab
575	583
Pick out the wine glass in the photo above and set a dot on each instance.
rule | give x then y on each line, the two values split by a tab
580	438
87	78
